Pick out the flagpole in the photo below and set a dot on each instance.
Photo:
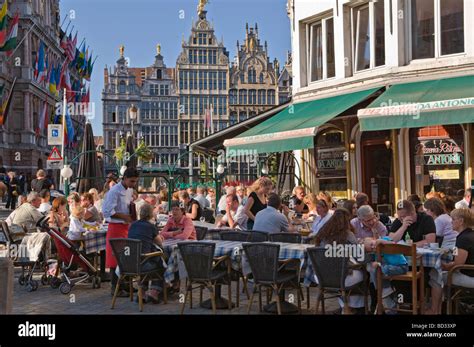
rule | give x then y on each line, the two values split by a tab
19	44
61	182
212	120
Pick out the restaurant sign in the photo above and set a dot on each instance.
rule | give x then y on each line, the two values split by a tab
444	174
441	152
331	162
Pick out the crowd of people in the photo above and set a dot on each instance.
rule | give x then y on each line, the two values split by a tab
130	211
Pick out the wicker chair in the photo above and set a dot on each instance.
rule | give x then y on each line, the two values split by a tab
130	259
203	270
331	273
258	236
454	291
285	237
234	235
201	232
270	273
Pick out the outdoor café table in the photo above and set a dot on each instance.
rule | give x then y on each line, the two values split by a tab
175	264
94	242
287	251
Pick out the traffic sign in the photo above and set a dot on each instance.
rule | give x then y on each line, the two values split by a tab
55	134
55	161
55	155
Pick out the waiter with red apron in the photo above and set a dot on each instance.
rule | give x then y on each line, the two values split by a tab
117	208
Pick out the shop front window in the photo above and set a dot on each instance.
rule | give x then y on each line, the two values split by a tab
437	160
331	167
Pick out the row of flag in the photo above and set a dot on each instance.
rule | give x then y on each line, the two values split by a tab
8	35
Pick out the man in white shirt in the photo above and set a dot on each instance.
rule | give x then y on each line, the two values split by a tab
235	215
222	201
270	220
464	203
201	198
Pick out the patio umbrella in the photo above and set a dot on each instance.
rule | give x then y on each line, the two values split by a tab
88	163
133	162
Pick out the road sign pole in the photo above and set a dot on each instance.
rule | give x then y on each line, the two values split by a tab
61	179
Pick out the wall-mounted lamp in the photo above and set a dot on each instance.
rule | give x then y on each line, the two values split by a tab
264	169
387	144
352	146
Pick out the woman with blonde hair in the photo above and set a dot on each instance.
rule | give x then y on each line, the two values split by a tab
257	199
323	195
58	216
311	201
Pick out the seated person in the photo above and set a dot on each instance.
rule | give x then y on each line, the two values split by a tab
193	209
45	206
91	212
418	226
179	226
144	230
76	229
324	214
463	218
27	214
235	216
367	224
270	219
296	201
444	225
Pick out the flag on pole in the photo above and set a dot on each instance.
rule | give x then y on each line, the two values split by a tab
11	40
6	105
3	23
41	119
207	119
69	128
52	79
71	47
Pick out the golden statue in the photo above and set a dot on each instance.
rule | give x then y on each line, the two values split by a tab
251	44
121	49
158	49
201	5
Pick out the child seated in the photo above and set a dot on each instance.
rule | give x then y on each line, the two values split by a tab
76	225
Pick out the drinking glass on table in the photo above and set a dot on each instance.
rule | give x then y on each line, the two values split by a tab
202	219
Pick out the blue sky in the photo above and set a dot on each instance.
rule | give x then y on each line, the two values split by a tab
140	24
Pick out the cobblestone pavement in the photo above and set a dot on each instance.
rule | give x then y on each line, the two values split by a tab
85	300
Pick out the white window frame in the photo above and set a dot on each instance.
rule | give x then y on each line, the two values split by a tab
437	32
354	17
309	45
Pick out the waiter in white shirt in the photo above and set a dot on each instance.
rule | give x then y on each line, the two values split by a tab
116	210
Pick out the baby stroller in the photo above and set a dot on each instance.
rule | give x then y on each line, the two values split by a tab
29	259
68	256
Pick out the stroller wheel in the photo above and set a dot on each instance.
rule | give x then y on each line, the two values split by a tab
29	287
21	280
55	282
95	282
44	280
34	284
65	288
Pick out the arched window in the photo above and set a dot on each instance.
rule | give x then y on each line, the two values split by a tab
233	118
122	87
242	78
252	75
242	116
261	79
243	97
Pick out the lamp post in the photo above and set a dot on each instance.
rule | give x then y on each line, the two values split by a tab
132	112
220	171
66	173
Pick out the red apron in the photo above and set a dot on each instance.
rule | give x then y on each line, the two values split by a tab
115	230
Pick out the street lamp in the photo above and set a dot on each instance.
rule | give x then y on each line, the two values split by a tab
132	112
122	170
66	173
220	169
264	169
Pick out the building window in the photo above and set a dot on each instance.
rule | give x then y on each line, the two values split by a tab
159	74
242	116
222	80
222	105
193	105
437	28
233	97
183	81
368	25
233	118
261	78
202	80
212	80
242	77
193	82
271	97
262	97
252	75
321	54
252	97
122	87
212	56
154	89
243	97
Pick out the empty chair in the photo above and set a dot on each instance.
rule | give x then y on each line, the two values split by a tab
269	272
201	232
234	235
204	270
332	273
285	237
258	236
455	291
130	259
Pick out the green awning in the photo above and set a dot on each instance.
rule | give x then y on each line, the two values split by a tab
294	127
420	104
